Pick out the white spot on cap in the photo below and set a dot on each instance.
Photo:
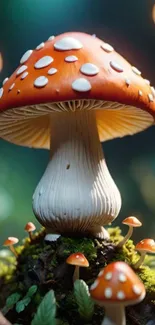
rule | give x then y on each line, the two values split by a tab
136	289
122	277
12	86
94	285
43	62
114	65
108	276
71	58
68	43
52	71
51	38
107	47
21	69
5	80
120	295
127	81
18	91
136	71
147	82
101	273
153	91
140	93
41	82
108	293
1	92
89	69
24	75
81	84
26	56
77	256
150	97
40	46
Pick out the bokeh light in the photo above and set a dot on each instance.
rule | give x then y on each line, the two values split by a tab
153	13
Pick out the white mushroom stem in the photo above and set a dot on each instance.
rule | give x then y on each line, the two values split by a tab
76	273
76	193
140	261
127	237
114	315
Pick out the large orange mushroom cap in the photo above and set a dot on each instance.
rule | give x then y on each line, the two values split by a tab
117	282
70	67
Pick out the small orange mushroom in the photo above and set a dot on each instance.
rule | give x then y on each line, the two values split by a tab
30	227
144	246
131	222
116	287
78	259
10	241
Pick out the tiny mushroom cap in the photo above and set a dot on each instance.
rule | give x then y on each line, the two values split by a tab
117	283
77	259
30	227
146	245
11	241
132	221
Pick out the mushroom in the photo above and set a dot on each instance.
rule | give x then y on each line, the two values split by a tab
30	227
144	246
117	286
131	222
78	259
68	95
10	241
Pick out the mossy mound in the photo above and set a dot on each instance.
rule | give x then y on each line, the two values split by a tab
41	266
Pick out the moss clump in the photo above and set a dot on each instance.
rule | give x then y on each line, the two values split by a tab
43	264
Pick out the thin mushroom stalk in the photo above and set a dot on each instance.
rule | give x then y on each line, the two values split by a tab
76	193
128	235
76	273
140	261
114	315
13	250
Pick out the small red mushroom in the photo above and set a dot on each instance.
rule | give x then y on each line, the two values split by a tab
30	227
117	286
131	222
144	246
78	259
10	241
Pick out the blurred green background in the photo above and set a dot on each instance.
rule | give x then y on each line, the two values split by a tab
129	27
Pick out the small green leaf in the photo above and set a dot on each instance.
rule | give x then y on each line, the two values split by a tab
46	311
32	290
20	306
12	299
83	299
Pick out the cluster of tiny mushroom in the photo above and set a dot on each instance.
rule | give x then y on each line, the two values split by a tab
117	285
11	241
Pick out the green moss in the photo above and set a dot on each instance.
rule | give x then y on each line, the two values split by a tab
44	265
84	245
